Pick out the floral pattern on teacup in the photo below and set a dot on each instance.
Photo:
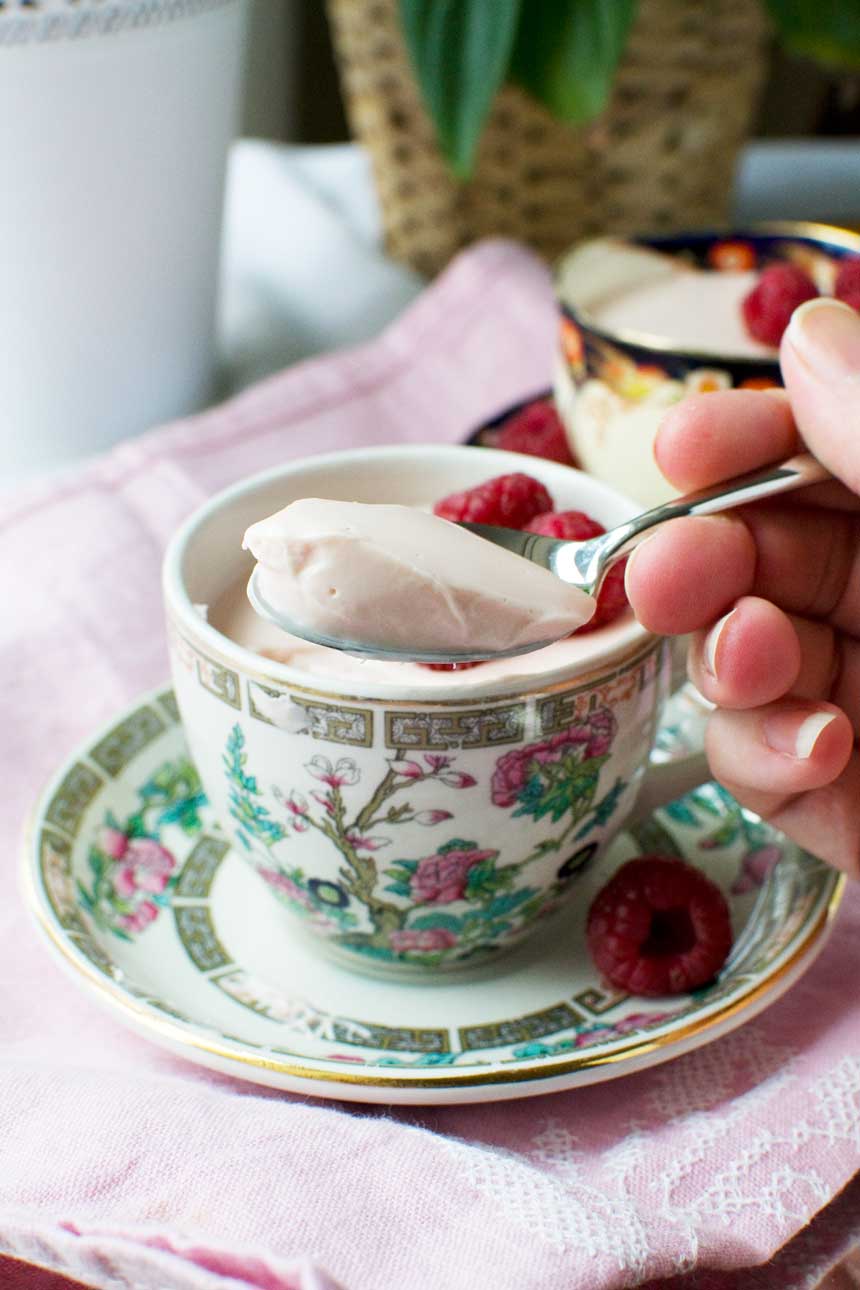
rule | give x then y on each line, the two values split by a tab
132	872
454	900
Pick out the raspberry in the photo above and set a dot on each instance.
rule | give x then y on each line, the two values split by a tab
451	667
659	927
768	308
508	500
847	285
572	526
537	431
576	526
611	599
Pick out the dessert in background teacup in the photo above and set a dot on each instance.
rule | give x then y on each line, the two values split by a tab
645	323
410	819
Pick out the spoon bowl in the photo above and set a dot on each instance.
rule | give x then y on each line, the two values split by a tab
580	564
361	649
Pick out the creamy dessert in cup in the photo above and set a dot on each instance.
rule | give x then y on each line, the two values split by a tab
344	571
411	820
644	324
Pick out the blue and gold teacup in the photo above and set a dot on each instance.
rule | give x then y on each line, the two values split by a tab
613	386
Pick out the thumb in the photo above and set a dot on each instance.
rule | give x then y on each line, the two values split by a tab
820	360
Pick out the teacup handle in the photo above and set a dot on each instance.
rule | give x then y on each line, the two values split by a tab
671	773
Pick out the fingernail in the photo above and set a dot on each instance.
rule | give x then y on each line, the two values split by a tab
712	640
796	733
826	335
634	555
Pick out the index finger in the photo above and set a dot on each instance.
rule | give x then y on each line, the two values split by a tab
709	437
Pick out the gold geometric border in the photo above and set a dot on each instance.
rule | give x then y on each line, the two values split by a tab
541	1069
627	657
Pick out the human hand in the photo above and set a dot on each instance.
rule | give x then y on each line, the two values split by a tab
772	591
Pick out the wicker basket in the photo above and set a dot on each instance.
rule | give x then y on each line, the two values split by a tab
660	158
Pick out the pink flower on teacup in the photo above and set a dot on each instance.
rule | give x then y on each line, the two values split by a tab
113	842
343	772
152	863
431	817
756	868
145	865
439	768
322	922
425	939
458	779
365	843
145	914
589	738
296	803
441	878
636	1020
407	768
593	1036
297	806
281	883
324	800
124	883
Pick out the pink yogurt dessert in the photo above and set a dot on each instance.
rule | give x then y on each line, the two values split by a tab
396	578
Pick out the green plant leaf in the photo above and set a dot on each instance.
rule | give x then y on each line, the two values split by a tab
97	862
705	798
680	811
509	901
84	896
566	53
826	30
461	52
724	836
135	826
548	844
429	922
457	844
399	888
401	870
484	879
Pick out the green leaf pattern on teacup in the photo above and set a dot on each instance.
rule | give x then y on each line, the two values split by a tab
456	899
253	818
711	808
132	872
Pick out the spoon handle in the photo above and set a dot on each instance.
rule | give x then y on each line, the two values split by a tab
767	482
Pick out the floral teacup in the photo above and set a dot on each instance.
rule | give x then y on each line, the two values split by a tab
409	819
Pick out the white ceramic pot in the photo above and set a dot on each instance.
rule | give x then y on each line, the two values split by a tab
115	120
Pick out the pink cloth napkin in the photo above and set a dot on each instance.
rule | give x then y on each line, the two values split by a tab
122	1166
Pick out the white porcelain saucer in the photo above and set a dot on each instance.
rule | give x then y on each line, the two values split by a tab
142	899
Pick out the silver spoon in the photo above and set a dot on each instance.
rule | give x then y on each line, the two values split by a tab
582	564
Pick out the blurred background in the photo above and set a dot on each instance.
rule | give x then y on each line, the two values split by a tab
140	136
293	93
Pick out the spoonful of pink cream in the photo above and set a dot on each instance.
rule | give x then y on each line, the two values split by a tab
400	583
